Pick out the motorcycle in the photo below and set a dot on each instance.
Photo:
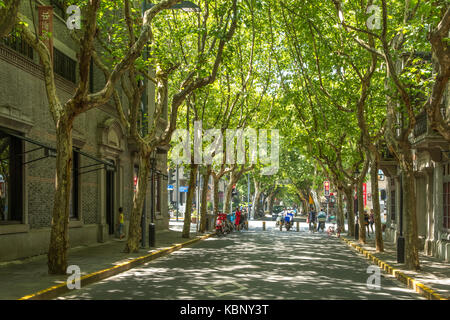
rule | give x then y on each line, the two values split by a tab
221	224
322	225
288	224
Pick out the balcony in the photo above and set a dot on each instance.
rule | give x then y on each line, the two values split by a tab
388	162
425	139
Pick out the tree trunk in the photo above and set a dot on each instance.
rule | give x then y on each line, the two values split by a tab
270	200
228	191
350	211
189	200
59	237
204	205
256	200
410	218
376	205
340	214
216	197
362	226
135	227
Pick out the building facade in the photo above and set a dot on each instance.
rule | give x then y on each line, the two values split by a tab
104	158
432	183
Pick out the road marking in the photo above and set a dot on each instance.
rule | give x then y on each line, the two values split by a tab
239	286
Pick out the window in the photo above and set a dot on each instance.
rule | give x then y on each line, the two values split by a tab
10	179
59	8
75	194
15	42
64	66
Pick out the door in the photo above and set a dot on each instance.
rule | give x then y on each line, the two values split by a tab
110	201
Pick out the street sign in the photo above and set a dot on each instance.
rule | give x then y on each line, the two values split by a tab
169	187
184	189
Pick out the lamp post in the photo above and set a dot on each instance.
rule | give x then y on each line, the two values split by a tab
178	192
401	239
356	174
151	227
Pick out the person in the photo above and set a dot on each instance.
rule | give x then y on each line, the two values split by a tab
312	220
366	221
121	223
237	220
287	219
279	219
371	219
321	217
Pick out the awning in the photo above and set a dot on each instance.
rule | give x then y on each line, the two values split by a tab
51	152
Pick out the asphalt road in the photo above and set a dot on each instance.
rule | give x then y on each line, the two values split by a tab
252	264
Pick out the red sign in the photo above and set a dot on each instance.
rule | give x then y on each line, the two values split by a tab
365	193
46	26
326	185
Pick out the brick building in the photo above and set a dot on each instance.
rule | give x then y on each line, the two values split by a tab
104	159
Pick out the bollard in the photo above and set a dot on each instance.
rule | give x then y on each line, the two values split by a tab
298	226
264	225
151	235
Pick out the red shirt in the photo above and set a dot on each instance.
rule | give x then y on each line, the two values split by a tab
238	216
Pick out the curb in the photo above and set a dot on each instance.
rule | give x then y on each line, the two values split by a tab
411	283
55	291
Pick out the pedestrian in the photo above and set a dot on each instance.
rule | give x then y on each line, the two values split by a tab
312	220
366	222
371	219
238	218
121	223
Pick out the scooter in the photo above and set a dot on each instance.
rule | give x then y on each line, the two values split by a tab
322	225
221	224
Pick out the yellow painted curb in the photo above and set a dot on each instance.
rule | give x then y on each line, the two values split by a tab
408	281
59	289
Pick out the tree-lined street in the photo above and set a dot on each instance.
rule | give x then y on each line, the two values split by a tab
122	119
252	264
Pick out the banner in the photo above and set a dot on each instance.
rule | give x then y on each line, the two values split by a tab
46	26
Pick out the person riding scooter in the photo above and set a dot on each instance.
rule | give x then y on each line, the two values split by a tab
288	221
321	217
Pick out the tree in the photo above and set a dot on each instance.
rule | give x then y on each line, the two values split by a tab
8	15
64	113
397	44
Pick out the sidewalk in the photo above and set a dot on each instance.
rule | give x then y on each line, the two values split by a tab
24	277
434	274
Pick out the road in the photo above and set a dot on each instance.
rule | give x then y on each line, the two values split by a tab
252	264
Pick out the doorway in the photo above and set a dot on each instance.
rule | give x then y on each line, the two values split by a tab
110	201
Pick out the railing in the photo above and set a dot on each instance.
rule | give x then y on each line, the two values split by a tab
422	127
15	42
421	124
